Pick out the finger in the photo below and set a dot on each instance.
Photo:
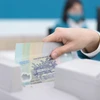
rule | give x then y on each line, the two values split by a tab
61	50
50	38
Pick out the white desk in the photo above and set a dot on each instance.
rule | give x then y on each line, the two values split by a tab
42	91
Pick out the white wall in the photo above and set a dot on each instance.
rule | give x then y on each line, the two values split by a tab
31	27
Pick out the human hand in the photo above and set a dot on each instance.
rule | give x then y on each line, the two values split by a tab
73	39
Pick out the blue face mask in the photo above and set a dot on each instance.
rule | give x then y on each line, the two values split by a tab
74	17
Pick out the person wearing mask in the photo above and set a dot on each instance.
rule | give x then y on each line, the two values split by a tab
73	16
87	43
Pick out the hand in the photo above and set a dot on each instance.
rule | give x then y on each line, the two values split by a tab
73	39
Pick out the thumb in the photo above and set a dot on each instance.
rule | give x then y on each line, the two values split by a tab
61	50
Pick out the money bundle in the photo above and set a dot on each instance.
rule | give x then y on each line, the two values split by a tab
36	64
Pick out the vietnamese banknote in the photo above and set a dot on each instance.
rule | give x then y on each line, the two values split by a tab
36	63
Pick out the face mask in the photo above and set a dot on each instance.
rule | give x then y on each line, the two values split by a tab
74	17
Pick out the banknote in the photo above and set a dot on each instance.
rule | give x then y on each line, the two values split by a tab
36	64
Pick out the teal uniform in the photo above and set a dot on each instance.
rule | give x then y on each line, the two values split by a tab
82	56
64	25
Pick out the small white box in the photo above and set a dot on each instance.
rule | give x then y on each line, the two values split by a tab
10	76
81	78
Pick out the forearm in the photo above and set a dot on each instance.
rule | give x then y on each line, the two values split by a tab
94	44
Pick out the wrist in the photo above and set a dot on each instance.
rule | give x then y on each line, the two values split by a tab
93	45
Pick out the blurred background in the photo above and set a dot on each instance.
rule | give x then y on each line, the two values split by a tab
31	20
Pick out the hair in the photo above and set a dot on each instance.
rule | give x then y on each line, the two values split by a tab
68	5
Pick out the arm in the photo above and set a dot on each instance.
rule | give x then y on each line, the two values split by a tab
95	55
94	52
93	47
74	39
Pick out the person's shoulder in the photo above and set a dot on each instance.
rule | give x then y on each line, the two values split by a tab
84	24
61	23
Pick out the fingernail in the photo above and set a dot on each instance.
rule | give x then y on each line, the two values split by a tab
54	55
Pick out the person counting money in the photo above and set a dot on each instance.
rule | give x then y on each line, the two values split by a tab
85	41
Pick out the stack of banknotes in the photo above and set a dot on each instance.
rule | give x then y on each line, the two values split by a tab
36	64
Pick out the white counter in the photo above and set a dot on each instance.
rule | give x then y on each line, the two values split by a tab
42	91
